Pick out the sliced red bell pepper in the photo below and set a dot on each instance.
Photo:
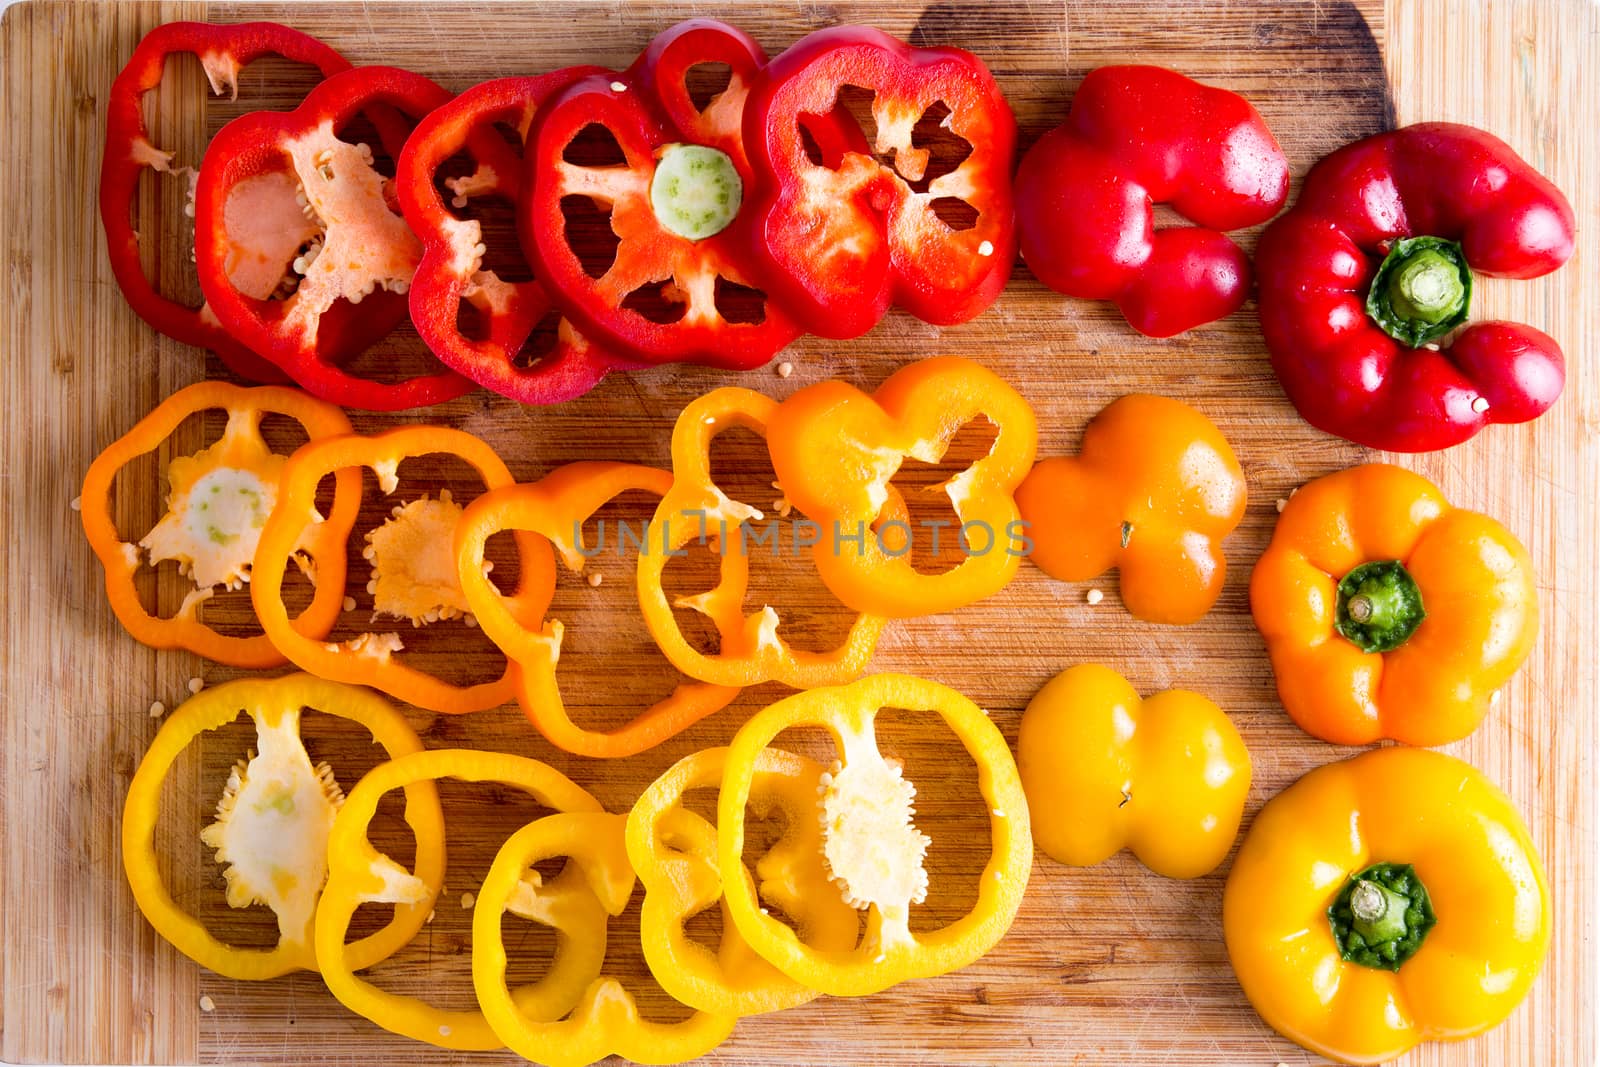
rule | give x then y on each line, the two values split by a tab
1138	136
674	203
839	242
223	52
452	266
1364	278
355	254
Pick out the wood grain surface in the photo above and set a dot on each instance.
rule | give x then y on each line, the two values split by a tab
1109	965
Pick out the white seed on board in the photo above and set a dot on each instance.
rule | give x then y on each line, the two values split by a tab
785	369
207	1004
157	709
1094	596
196	684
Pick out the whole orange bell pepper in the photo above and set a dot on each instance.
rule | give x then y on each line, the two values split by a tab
1153	491
1387	612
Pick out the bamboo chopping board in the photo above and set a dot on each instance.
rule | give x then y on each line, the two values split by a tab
1110	965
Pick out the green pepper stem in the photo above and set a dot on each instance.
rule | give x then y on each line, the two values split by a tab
1421	290
1381	916
1379	606
1379	913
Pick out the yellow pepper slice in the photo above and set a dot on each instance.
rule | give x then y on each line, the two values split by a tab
273	823
869	843
358	874
606	1019
414	572
674	852
556	508
1166	776
1428	873
217	502
696	509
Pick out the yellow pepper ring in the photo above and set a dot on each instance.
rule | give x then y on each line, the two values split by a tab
358	874
1390	806
245	407
674	852
695	509
848	713
214	708
555	509
606	1020
366	662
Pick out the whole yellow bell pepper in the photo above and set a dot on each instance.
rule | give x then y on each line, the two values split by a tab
1387	612
1103	770
1387	900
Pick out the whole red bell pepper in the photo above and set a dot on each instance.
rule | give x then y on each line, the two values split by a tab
223	52
300	255
840	240
1363	279
1138	136
452	268
674	205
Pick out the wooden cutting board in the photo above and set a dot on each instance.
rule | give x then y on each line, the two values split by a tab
1110	965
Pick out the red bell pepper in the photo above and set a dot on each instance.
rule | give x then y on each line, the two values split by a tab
452	270
1138	136
1373	266
223	52
842	240
283	204
674	206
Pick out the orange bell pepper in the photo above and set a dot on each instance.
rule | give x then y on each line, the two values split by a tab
556	508
414	574
217	501
835	448
1153	491
1387	612
696	509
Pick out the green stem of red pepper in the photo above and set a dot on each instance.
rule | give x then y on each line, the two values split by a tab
1379	606
1381	916
1421	290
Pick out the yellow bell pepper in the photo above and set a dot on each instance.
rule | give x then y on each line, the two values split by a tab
1387	612
606	1019
870	844
675	853
273	822
696	509
555	508
1165	776
359	874
1383	901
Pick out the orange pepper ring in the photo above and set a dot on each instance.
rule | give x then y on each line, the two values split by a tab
319	418
693	492
383	454
555	508
213	709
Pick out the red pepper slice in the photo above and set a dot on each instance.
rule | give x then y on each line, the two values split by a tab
452	267
1375	262
1138	136
258	168
674	204
223	52
840	243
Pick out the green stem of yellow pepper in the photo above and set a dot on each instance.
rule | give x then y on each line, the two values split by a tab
1379	606
1381	916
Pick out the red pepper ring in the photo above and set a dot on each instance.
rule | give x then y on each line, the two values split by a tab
1361	346
839	243
555	508
1138	136
675	209
269	161
223	52
452	268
